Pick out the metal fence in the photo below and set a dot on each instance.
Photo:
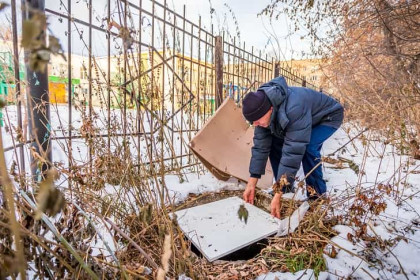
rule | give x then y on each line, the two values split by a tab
139	80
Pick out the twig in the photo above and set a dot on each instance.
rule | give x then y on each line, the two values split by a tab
38	240
399	263
101	237
354	270
133	273
367	272
148	258
340	247
7	185
51	226
348	142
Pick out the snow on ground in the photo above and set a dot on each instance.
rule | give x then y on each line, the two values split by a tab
198	184
174	143
398	226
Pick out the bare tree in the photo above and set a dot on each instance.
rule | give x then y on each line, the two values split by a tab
371	51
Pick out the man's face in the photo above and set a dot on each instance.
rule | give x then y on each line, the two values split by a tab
264	121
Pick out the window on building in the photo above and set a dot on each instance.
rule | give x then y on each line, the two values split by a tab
62	70
83	73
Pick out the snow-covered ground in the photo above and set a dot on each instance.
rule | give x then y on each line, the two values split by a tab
174	144
398	226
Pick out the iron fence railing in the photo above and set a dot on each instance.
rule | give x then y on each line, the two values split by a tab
147	79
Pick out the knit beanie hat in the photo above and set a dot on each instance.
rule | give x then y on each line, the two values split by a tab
255	105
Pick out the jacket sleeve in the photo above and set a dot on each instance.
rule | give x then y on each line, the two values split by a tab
297	137
260	151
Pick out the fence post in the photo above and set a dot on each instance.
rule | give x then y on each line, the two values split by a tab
38	101
276	69
218	61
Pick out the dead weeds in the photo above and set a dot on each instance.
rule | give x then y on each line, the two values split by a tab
302	249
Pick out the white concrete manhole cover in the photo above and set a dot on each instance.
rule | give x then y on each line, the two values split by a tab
216	230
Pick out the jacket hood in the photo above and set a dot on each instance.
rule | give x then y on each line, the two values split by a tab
276	91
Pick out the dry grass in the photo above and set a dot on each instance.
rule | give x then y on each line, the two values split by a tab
300	250
139	204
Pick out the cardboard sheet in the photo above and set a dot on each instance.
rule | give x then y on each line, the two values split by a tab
224	145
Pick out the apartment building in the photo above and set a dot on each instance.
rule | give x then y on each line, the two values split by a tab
309	69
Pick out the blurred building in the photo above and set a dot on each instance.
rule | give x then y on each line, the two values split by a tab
57	73
309	69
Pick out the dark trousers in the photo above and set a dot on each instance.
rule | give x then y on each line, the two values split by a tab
310	159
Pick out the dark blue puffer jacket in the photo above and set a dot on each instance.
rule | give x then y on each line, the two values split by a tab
295	111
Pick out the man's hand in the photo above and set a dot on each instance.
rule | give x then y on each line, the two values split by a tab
276	205
249	193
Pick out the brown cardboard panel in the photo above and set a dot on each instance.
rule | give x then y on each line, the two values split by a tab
224	145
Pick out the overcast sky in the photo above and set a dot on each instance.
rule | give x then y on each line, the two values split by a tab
257	31
254	31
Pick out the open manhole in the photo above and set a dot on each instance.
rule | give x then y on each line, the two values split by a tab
247	253
217	229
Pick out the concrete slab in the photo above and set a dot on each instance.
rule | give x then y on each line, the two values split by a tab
216	230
